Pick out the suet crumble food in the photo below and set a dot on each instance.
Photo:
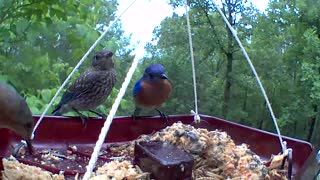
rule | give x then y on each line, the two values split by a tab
215	154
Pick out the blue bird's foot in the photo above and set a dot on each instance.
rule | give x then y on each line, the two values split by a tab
136	113
194	123
164	116
134	117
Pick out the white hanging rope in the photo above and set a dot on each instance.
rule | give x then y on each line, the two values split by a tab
107	123
234	33
75	69
195	113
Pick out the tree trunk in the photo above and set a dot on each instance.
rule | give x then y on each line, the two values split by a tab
295	127
244	105
262	117
229	55
315	137
313	122
227	88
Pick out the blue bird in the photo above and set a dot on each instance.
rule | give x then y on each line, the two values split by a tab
152	89
91	89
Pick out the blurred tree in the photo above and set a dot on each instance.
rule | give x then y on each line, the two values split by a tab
283	43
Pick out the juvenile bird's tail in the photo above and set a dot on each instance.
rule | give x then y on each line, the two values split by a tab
56	111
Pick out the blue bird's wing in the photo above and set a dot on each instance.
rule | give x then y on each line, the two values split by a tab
137	87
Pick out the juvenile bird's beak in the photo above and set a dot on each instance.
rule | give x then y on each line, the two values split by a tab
164	76
109	54
29	146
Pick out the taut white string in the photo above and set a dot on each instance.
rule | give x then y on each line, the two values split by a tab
76	67
234	33
195	113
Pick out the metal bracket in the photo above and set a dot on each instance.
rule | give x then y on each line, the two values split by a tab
288	157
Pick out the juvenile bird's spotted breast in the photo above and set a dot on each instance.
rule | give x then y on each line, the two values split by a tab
97	91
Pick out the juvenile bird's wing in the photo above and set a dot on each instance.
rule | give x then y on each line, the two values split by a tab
86	83
137	87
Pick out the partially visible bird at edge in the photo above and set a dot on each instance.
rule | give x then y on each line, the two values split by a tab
15	114
151	90
91	89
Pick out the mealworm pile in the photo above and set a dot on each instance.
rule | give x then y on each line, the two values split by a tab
13	169
119	170
216	155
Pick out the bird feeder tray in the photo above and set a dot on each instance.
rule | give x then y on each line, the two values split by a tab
68	136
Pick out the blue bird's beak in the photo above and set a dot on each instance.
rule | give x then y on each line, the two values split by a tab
164	76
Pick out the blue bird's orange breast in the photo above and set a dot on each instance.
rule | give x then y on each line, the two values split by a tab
153	94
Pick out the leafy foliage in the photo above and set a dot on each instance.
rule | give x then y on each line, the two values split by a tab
41	42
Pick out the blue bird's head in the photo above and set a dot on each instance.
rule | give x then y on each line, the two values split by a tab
155	71
153	75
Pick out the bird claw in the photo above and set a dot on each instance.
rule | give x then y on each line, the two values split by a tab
134	117
103	116
162	115
84	119
198	122
31	148
21	145
17	148
99	114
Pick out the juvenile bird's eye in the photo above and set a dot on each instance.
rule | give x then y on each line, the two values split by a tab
97	56
109	54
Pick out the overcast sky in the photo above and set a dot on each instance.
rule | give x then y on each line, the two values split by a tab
145	15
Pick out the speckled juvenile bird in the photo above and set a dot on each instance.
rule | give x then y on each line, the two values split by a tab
152	89
15	113
92	88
